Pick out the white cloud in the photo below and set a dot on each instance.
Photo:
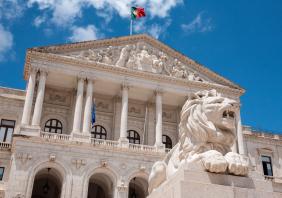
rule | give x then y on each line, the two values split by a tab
65	12
6	41
84	33
11	9
199	24
155	30
39	20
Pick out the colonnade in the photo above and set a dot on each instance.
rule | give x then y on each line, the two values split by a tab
83	127
77	121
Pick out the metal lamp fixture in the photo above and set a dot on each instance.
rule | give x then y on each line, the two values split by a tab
46	186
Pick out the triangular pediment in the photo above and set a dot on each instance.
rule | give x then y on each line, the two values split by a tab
142	53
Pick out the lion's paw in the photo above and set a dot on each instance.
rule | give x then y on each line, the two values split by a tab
213	161
237	164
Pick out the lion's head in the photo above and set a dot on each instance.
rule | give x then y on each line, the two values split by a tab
208	120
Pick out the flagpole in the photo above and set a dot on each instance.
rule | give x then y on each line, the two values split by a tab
131	23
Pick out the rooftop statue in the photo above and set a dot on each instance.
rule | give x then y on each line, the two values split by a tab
207	131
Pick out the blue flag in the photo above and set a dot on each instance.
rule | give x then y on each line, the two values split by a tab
93	114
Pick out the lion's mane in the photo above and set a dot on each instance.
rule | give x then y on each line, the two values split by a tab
195	128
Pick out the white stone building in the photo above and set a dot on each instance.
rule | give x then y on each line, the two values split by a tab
49	148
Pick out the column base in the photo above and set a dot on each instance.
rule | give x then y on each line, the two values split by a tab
160	147
123	142
30	130
80	137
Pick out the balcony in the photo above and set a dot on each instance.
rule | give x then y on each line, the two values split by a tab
5	146
103	144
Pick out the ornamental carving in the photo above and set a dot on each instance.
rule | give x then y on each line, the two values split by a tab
58	97
140	56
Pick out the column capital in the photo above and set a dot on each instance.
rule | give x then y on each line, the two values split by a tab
82	75
125	85
91	79
159	91
34	70
43	71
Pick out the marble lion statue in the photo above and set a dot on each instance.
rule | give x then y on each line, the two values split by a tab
207	131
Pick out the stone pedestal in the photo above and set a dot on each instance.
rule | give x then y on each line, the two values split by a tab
30	131
194	183
81	137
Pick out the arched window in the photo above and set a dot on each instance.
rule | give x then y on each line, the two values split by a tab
53	126
167	141
99	132
133	137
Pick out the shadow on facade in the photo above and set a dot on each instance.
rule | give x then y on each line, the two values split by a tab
138	188
100	186
47	184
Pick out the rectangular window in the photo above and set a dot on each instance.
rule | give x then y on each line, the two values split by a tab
267	165
1	173
6	130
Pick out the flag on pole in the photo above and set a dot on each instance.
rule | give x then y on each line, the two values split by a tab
93	114
137	12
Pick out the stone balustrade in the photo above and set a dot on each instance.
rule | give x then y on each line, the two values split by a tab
104	143
142	148
100	143
5	146
55	136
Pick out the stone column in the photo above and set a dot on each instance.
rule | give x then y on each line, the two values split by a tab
78	106
29	98
88	108
124	117
240	139
159	113
39	99
121	192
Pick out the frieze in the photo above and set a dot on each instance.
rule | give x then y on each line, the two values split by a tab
64	61
141	56
103	105
58	97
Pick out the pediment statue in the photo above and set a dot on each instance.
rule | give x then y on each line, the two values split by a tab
142	57
207	131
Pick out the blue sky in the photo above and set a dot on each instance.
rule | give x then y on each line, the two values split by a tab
241	40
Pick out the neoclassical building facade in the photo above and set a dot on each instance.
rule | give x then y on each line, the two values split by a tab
137	85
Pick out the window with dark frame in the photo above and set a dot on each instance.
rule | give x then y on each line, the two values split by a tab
2	169
133	137
167	141
99	132
53	126
267	165
6	130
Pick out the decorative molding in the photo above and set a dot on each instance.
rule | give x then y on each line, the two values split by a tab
24	157
78	163
125	41
41	53
52	157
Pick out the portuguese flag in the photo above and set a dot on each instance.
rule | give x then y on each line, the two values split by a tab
137	12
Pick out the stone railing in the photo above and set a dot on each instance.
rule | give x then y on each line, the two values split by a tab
5	146
104	143
261	133
142	148
55	136
100	143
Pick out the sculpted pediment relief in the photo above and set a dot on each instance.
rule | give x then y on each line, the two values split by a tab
140	56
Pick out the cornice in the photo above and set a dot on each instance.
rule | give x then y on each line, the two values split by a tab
45	57
258	138
127	40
